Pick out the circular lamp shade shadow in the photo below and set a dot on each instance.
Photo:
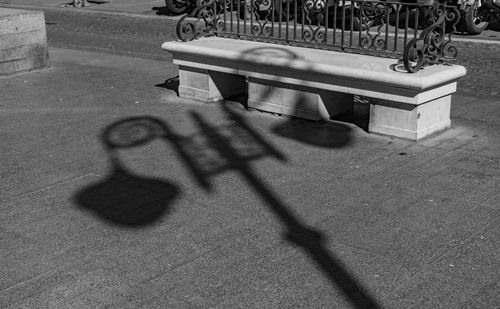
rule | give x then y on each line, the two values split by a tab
123	198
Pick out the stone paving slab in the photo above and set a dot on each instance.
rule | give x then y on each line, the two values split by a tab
83	224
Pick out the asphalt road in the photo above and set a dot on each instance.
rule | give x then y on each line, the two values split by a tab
143	36
115	34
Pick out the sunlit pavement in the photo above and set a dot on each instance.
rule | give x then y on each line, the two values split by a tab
114	193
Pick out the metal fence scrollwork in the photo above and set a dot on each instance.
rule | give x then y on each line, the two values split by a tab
417	33
433	45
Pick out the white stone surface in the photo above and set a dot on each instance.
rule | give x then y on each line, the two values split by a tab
376	71
298	101
23	41
206	86
410	121
318	84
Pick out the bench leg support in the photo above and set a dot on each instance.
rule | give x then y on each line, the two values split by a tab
410	121
208	86
298	101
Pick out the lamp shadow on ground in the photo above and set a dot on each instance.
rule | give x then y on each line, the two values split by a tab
310	240
232	146
123	198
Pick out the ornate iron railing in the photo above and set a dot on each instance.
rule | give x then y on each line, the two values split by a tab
417	33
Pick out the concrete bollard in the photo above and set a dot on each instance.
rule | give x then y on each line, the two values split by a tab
23	41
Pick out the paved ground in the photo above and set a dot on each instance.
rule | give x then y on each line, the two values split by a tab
156	8
114	193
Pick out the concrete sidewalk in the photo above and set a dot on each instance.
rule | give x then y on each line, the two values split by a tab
114	193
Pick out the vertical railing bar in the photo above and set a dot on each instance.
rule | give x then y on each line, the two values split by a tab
407	17
295	19
326	24
238	15
334	24
386	38
245	9
360	16
287	19
303	21
224	13
280	16
273	13
343	24
251	16
396	31
216	16
232	15
417	12
351	28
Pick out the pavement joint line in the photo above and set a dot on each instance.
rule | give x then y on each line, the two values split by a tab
491	198
48	187
480	293
31	279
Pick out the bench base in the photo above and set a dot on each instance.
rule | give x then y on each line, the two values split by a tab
206	86
298	101
410	121
392	118
317	84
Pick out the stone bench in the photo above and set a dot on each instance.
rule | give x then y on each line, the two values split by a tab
23	41
317	84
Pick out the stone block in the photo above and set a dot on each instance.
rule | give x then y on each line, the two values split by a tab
410	121
207	86
296	100
23	41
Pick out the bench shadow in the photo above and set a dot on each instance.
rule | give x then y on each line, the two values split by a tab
322	134
171	84
123	198
361	115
